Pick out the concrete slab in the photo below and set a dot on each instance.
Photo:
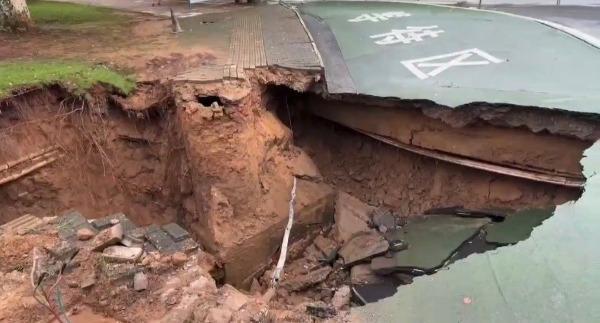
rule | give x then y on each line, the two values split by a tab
363	246
432	239
516	227
69	223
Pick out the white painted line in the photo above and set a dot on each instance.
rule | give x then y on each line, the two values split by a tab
407	36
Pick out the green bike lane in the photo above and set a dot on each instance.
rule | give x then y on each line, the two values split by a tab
454	56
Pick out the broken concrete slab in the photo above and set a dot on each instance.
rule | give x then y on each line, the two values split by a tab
363	246
186	246
362	274
302	282
351	216
431	240
69	223
107	237
516	227
176	232
122	254
326	246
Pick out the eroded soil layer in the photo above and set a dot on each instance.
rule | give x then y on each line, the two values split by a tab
220	159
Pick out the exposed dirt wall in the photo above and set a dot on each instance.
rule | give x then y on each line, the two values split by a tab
112	161
383	175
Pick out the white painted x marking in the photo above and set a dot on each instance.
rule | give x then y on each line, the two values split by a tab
416	66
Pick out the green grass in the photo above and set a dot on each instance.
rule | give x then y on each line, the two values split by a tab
78	77
48	12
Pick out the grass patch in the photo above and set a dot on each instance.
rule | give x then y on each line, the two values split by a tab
79	77
49	12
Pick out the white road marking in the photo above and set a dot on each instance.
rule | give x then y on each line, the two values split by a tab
408	35
376	17
459	58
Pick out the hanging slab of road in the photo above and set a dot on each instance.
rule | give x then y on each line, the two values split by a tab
452	56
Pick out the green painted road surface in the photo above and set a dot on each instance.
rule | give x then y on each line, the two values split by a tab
456	56
554	276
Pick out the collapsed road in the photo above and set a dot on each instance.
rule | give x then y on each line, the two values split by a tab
426	187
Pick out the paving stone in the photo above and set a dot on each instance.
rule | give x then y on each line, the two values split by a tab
122	254
140	281
108	221
69	223
363	246
176	232
107	237
22	224
160	239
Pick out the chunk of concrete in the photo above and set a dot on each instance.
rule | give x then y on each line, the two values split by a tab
176	232
107	237
122	254
140	281
362	274
305	281
351	216
326	246
363	246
